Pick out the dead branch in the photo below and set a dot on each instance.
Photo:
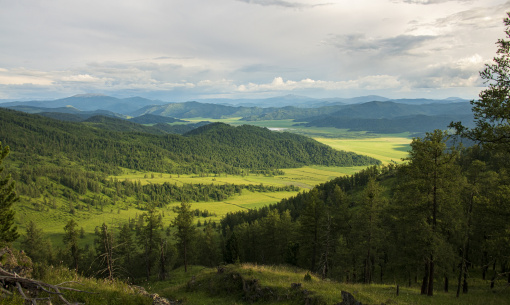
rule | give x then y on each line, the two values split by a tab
29	287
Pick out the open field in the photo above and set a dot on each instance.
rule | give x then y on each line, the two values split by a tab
388	150
304	177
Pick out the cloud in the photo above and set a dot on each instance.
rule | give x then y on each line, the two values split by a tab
463	72
20	76
282	3
372	82
398	45
476	18
431	1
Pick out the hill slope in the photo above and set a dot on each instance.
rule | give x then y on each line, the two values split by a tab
212	148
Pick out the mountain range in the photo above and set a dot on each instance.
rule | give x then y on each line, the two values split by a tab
370	113
126	106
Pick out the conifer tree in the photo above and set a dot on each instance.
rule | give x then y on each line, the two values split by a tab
310	228
71	241
149	237
8	231
368	227
126	249
186	231
428	201
35	245
491	110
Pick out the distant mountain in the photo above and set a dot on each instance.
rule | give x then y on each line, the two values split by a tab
67	113
415	123
377	110
196	109
136	106
92	102
419	101
294	100
392	117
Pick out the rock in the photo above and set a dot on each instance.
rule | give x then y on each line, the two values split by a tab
156	299
348	299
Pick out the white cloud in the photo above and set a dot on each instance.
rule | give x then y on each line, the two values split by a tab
86	78
372	82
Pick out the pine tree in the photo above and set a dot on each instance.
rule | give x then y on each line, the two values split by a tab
35	245
71	241
8	231
126	249
428	202
491	110
149	238
186	231
368	227
310	228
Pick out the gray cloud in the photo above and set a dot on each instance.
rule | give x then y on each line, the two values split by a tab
273	2
392	46
283	3
425	2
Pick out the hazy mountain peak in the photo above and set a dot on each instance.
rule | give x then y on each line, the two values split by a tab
88	95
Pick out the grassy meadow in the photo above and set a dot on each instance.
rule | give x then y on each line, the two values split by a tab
387	148
213	288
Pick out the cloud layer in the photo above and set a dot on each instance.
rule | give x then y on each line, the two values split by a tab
178	50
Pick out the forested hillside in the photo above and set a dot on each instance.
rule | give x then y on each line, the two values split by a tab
213	148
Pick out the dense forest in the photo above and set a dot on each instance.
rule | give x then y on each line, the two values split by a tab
441	218
212	148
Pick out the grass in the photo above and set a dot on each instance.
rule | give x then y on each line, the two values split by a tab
304	177
386	149
208	286
97	291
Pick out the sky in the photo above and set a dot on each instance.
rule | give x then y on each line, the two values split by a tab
178	50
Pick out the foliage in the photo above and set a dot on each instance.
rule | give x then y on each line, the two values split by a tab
186	231
8	231
214	148
491	111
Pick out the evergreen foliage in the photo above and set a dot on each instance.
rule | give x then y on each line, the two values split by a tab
8	231
491	110
214	148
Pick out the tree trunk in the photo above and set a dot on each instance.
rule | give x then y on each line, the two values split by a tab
461	271
314	249
185	257
425	282
446	284
430	291
465	284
